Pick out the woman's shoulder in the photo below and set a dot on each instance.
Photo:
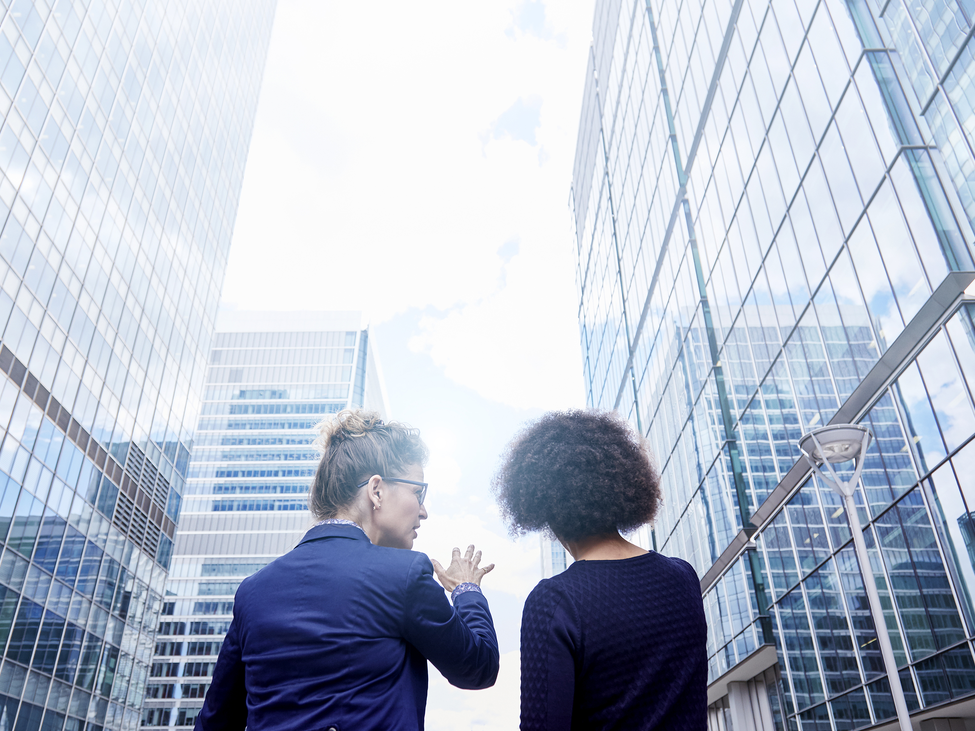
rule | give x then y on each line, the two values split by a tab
668	575
675	564
685	572
398	566
667	569
369	561
548	594
648	569
549	586
393	562
404	558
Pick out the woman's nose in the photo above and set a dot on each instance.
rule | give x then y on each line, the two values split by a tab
423	512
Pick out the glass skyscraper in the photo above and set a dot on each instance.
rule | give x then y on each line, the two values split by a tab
272	377
125	127
773	205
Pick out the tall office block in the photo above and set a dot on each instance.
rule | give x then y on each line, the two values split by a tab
773	203
272	377
555	559
125	127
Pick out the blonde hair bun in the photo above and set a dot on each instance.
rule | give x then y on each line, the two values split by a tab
346	423
356	444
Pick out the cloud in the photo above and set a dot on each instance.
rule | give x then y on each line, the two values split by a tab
508	250
519	345
370	184
519	121
530	18
443	471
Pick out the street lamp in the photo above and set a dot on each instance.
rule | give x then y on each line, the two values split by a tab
825	447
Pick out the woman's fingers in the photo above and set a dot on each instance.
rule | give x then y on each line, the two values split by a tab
440	573
462	569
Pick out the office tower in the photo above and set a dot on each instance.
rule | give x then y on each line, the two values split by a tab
773	202
555	559
125	128
272	377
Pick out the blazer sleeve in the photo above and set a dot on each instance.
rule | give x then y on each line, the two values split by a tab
549	646
460	641
225	707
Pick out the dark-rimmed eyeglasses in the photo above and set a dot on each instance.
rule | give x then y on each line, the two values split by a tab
420	496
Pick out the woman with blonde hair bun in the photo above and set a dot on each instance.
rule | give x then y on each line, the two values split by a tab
336	634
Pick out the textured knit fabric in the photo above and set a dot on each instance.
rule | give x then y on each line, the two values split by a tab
613	645
337	634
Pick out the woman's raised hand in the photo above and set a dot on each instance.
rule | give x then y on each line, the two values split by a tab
463	569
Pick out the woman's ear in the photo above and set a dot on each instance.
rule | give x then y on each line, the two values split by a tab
374	491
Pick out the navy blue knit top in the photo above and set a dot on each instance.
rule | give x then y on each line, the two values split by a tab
615	645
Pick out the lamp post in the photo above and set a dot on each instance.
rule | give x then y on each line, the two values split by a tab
825	447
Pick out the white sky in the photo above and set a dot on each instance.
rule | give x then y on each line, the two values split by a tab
413	160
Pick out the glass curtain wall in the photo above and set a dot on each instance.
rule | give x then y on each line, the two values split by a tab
764	203
124	129
246	497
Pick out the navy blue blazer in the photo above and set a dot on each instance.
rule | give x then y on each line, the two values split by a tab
336	634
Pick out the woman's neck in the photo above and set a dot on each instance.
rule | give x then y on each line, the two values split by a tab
602	547
361	518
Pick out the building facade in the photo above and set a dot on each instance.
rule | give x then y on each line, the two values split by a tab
773	206
272	377
555	559
124	132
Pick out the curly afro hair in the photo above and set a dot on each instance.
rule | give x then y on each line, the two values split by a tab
577	474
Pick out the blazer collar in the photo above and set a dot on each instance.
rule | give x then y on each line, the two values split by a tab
335	531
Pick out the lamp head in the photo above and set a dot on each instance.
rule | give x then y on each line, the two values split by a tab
836	443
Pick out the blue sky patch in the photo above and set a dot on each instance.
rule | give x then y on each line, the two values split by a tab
520	120
530	18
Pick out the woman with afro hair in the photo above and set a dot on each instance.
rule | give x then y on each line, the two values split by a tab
617	640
